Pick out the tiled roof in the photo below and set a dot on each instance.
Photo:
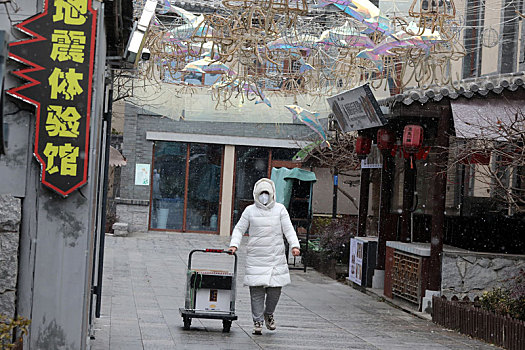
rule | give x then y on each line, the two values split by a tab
468	88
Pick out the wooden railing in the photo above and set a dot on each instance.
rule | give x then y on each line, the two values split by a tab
478	323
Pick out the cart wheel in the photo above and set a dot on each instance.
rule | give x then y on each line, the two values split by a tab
187	323
226	325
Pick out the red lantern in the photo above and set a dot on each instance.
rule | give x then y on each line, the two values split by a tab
362	146
385	139
412	138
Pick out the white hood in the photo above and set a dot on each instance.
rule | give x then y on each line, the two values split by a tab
264	185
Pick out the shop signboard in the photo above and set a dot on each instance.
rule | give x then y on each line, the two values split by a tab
59	56
356	109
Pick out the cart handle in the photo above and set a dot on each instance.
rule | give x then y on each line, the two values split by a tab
212	250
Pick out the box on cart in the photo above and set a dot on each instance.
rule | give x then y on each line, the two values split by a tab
211	289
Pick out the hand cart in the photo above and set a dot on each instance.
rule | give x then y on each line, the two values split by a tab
210	293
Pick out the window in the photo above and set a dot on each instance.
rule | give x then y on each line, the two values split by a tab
186	186
475	14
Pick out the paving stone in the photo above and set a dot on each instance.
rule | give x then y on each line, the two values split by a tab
145	283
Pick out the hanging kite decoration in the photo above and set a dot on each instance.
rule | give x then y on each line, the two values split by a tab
250	48
311	119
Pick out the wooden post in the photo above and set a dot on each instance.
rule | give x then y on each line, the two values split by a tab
387	179
409	186
438	201
363	202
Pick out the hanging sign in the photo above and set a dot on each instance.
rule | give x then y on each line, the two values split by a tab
60	56
356	109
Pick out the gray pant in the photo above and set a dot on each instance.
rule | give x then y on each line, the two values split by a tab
258	295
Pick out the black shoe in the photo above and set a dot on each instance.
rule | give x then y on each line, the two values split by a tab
270	322
257	328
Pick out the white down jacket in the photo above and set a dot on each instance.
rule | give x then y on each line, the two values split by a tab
266	263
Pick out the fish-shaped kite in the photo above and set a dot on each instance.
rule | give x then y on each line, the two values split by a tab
345	36
293	42
363	11
194	25
166	6
311	119
264	100
208	65
425	41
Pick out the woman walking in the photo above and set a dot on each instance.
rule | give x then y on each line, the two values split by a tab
266	265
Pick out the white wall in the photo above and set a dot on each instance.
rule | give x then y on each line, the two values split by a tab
323	193
198	104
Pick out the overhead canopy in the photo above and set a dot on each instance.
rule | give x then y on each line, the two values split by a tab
484	118
283	179
116	158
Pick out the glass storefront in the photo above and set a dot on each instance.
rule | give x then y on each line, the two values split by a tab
252	164
186	184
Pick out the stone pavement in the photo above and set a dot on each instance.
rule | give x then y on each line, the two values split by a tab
144	285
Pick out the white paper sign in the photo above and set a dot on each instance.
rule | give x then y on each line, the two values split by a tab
374	160
353	253
356	261
142	174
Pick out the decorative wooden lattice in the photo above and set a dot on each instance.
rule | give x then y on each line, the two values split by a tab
406	277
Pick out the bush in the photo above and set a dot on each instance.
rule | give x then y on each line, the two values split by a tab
509	301
334	237
7	326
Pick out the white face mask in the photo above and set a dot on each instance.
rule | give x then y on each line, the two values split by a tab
263	198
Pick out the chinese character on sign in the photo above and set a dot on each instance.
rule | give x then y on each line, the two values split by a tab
65	83
63	122
68	45
51	151
68	159
70	11
353	108
68	155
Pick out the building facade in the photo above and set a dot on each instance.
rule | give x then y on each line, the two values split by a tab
51	238
198	176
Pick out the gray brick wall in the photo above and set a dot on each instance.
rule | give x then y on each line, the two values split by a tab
10	215
135	213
